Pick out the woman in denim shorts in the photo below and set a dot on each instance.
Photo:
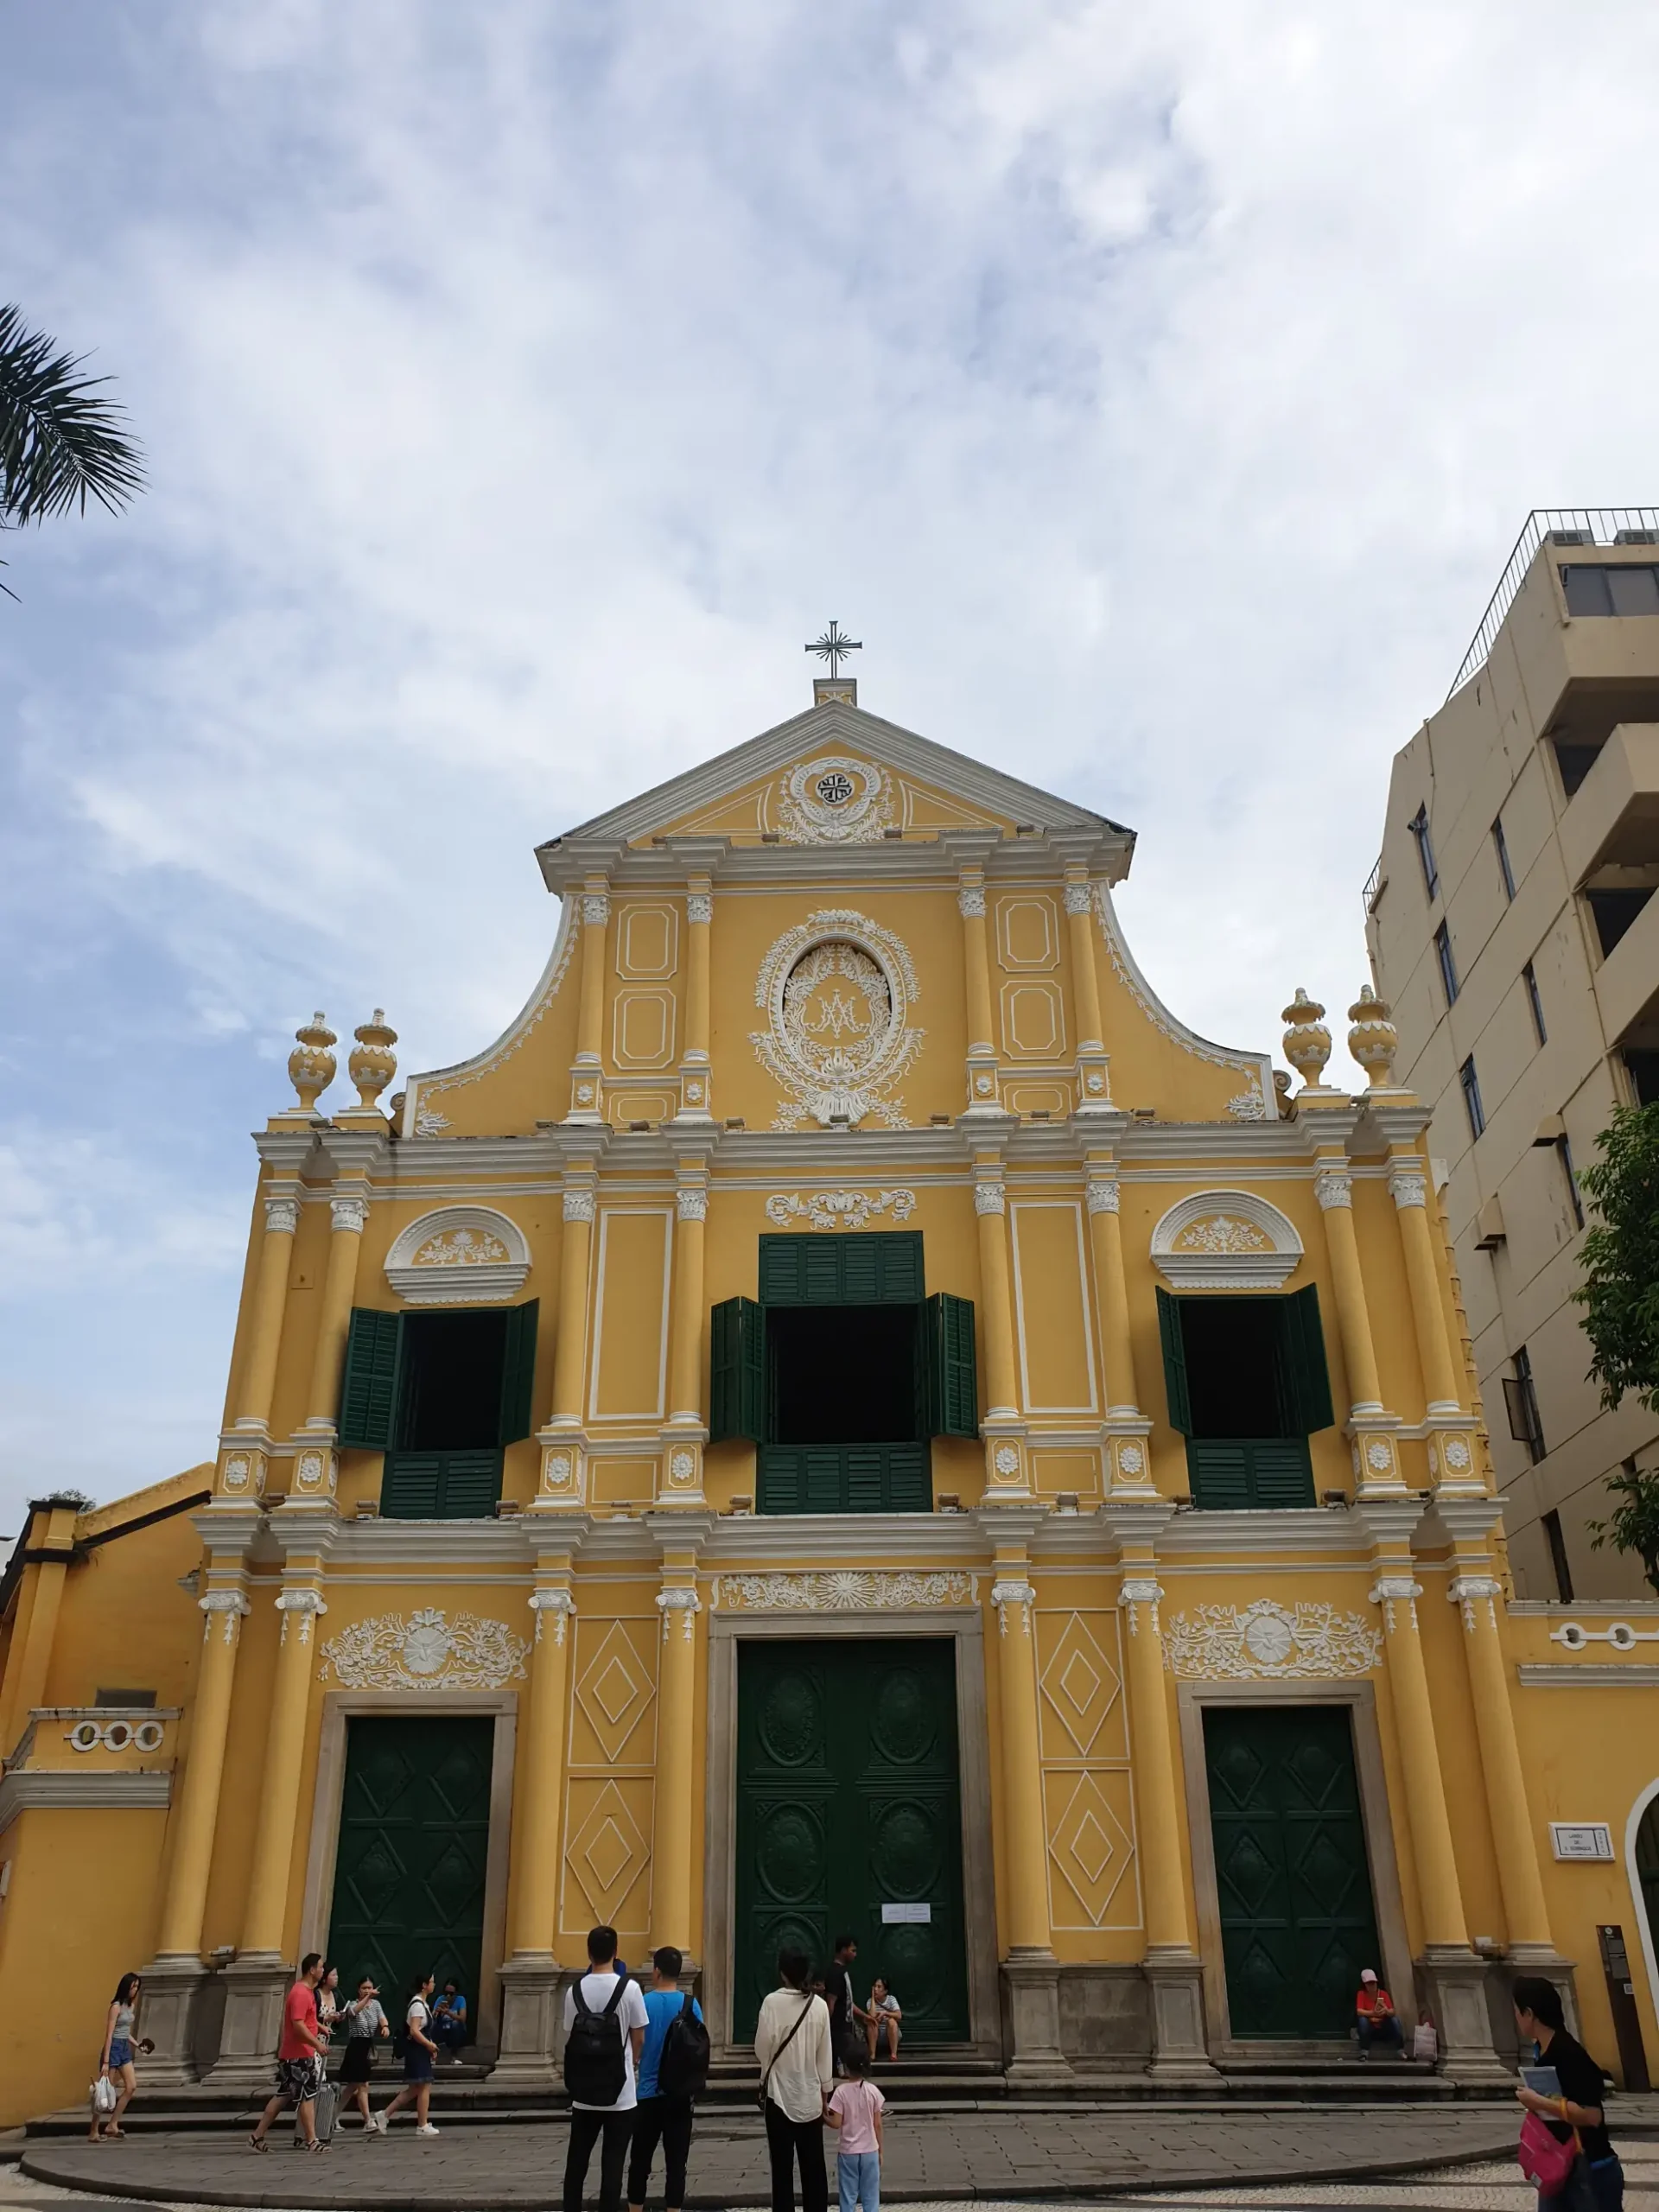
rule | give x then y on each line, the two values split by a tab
116	2059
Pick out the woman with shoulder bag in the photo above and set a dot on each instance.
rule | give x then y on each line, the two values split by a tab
1565	2145
792	2047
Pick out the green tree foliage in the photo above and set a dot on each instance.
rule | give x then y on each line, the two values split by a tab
1620	1298
61	438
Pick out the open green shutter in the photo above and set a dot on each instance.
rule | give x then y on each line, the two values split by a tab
1169	1331
1309	1377
368	1391
949	1379
737	1371
518	1373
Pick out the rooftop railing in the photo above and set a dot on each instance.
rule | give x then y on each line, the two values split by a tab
1567	526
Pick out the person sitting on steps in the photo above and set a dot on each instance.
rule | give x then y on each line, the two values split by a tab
1375	2019
882	2020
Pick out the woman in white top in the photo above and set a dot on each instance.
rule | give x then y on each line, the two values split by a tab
792	2045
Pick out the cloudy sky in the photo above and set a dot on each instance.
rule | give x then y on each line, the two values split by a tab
1157	391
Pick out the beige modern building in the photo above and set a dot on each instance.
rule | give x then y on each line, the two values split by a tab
1512	926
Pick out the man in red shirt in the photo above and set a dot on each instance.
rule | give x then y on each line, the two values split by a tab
1378	2020
300	2057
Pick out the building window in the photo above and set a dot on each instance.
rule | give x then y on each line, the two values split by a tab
1604	588
1448	966
1521	1396
1247	1385
1419	828
1535	1003
1614	911
1500	846
441	1395
1643	1069
1471	1085
1564	1153
1558	1558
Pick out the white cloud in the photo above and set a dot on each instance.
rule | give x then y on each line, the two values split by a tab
1156	392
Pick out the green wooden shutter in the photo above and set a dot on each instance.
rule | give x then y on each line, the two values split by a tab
518	1373
737	1371
1169	1331
818	1268
949	1381
1304	1349
368	1390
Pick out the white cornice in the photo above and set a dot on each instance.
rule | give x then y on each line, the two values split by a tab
101	1790
1588	1678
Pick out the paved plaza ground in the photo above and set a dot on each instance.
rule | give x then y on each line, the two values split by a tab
1420	2159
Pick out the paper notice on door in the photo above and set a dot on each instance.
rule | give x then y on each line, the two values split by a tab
907	1916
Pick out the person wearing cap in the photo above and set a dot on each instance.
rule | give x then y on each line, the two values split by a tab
1377	2017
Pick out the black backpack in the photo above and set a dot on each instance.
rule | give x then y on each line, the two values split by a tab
682	2068
595	2071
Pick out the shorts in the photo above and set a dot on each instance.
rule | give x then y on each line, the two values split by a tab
299	2078
120	2052
418	2064
358	2062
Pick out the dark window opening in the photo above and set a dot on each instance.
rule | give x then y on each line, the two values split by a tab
1535	1002
1470	1083
1248	1386
1614	911
1521	1398
1418	827
1642	1068
1558	1559
1603	587
453	1366
1575	762
1235	1367
1448	966
1564	1153
843	1374
1501	846
136	1700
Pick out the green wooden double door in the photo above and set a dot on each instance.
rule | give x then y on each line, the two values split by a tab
850	1821
409	1863
1298	1920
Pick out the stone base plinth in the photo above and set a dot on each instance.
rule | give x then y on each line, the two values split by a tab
1031	2011
1175	1980
173	1988
1453	1982
255	1985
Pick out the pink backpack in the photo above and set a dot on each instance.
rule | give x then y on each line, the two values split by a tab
1545	2159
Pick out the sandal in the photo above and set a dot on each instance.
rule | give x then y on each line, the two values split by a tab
258	2143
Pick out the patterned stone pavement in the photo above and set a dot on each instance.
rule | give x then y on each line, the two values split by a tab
1178	2159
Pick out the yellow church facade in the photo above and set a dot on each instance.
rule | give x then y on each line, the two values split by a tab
849	1417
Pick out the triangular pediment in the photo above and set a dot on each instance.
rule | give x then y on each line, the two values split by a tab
834	774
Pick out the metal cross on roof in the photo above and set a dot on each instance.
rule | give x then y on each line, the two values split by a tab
834	646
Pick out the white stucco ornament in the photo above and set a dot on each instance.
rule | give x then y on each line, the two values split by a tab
835	800
1266	1641
459	1255
425	1650
1226	1240
836	992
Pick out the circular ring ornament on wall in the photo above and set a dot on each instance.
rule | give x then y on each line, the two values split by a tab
835	800
836	992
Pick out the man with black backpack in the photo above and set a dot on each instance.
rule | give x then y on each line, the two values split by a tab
604	2023
673	2070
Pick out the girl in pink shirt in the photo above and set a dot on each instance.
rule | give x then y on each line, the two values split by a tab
855	2110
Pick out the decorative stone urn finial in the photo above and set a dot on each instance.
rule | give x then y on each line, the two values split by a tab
1373	1040
1307	1041
373	1064
311	1065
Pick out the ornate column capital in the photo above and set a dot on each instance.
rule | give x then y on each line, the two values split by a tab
1407	1187
971	901
1013	1590
1135	1591
304	1604
699	907
1079	898
1468	1590
683	1600
282	1216
1333	1186
691	1202
989	1198
1390	1590
578	1203
1103	1194
348	1216
559	1602
595	909
230	1605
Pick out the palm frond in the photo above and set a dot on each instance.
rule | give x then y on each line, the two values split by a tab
60	439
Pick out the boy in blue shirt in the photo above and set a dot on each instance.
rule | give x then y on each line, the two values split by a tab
658	2118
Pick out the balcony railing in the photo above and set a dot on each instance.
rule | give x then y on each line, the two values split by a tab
1573	526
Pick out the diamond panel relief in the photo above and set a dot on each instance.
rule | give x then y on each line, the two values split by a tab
607	1855
615	1689
1091	1851
1081	1711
